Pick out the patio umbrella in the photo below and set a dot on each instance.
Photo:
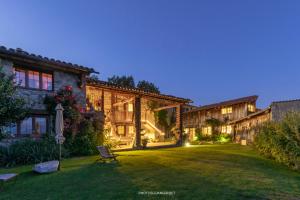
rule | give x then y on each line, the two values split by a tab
59	128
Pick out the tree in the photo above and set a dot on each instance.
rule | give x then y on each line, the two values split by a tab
124	81
12	107
148	87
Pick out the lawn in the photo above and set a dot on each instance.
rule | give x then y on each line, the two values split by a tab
197	172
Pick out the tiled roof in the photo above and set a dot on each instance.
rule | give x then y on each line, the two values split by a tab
105	84
20	54
226	103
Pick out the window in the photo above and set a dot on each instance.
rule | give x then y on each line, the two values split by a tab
251	108
130	107
26	126
40	125
20	77
223	129
207	130
31	125
121	130
33	79
131	130
46	81
229	129
226	129
226	110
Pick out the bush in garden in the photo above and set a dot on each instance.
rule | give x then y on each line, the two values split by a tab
281	141
86	140
29	151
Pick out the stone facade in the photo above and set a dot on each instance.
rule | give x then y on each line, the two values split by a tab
281	108
35	97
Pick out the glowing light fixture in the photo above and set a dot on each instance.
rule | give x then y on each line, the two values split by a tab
187	144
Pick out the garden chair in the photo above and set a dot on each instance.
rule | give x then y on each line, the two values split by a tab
106	154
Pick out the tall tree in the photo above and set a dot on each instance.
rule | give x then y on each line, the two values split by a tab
148	87
125	81
12	107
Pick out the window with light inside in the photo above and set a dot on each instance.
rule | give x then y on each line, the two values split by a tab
226	110
251	108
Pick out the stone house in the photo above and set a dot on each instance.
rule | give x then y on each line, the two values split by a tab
38	76
224	112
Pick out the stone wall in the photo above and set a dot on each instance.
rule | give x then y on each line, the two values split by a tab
35	97
280	109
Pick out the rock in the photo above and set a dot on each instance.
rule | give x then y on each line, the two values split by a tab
7	177
46	167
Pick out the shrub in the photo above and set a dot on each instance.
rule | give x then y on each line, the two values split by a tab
86	140
223	138
28	151
281	141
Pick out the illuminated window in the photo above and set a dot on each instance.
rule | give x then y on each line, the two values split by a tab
33	79
226	110
223	129
186	130
207	130
20	77
229	129
121	130
131	130
226	129
130	107
46	81
251	108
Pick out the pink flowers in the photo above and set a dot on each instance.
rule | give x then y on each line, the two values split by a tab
68	88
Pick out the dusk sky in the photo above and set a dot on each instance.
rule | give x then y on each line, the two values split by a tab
207	51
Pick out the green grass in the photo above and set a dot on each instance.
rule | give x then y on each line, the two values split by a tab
200	172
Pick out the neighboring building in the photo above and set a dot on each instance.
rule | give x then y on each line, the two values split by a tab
224	112
247	127
37	77
129	112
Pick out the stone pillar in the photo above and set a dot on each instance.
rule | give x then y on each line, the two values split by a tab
137	117
179	125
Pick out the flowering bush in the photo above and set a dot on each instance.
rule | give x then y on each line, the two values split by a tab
66	98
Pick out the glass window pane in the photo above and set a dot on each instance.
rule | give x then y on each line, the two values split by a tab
33	79
26	126
121	130
47	81
130	107
40	125
20	77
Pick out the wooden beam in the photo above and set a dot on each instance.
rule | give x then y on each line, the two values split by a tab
166	107
123	102
138	125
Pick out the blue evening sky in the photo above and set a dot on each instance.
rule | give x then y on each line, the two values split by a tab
207	51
